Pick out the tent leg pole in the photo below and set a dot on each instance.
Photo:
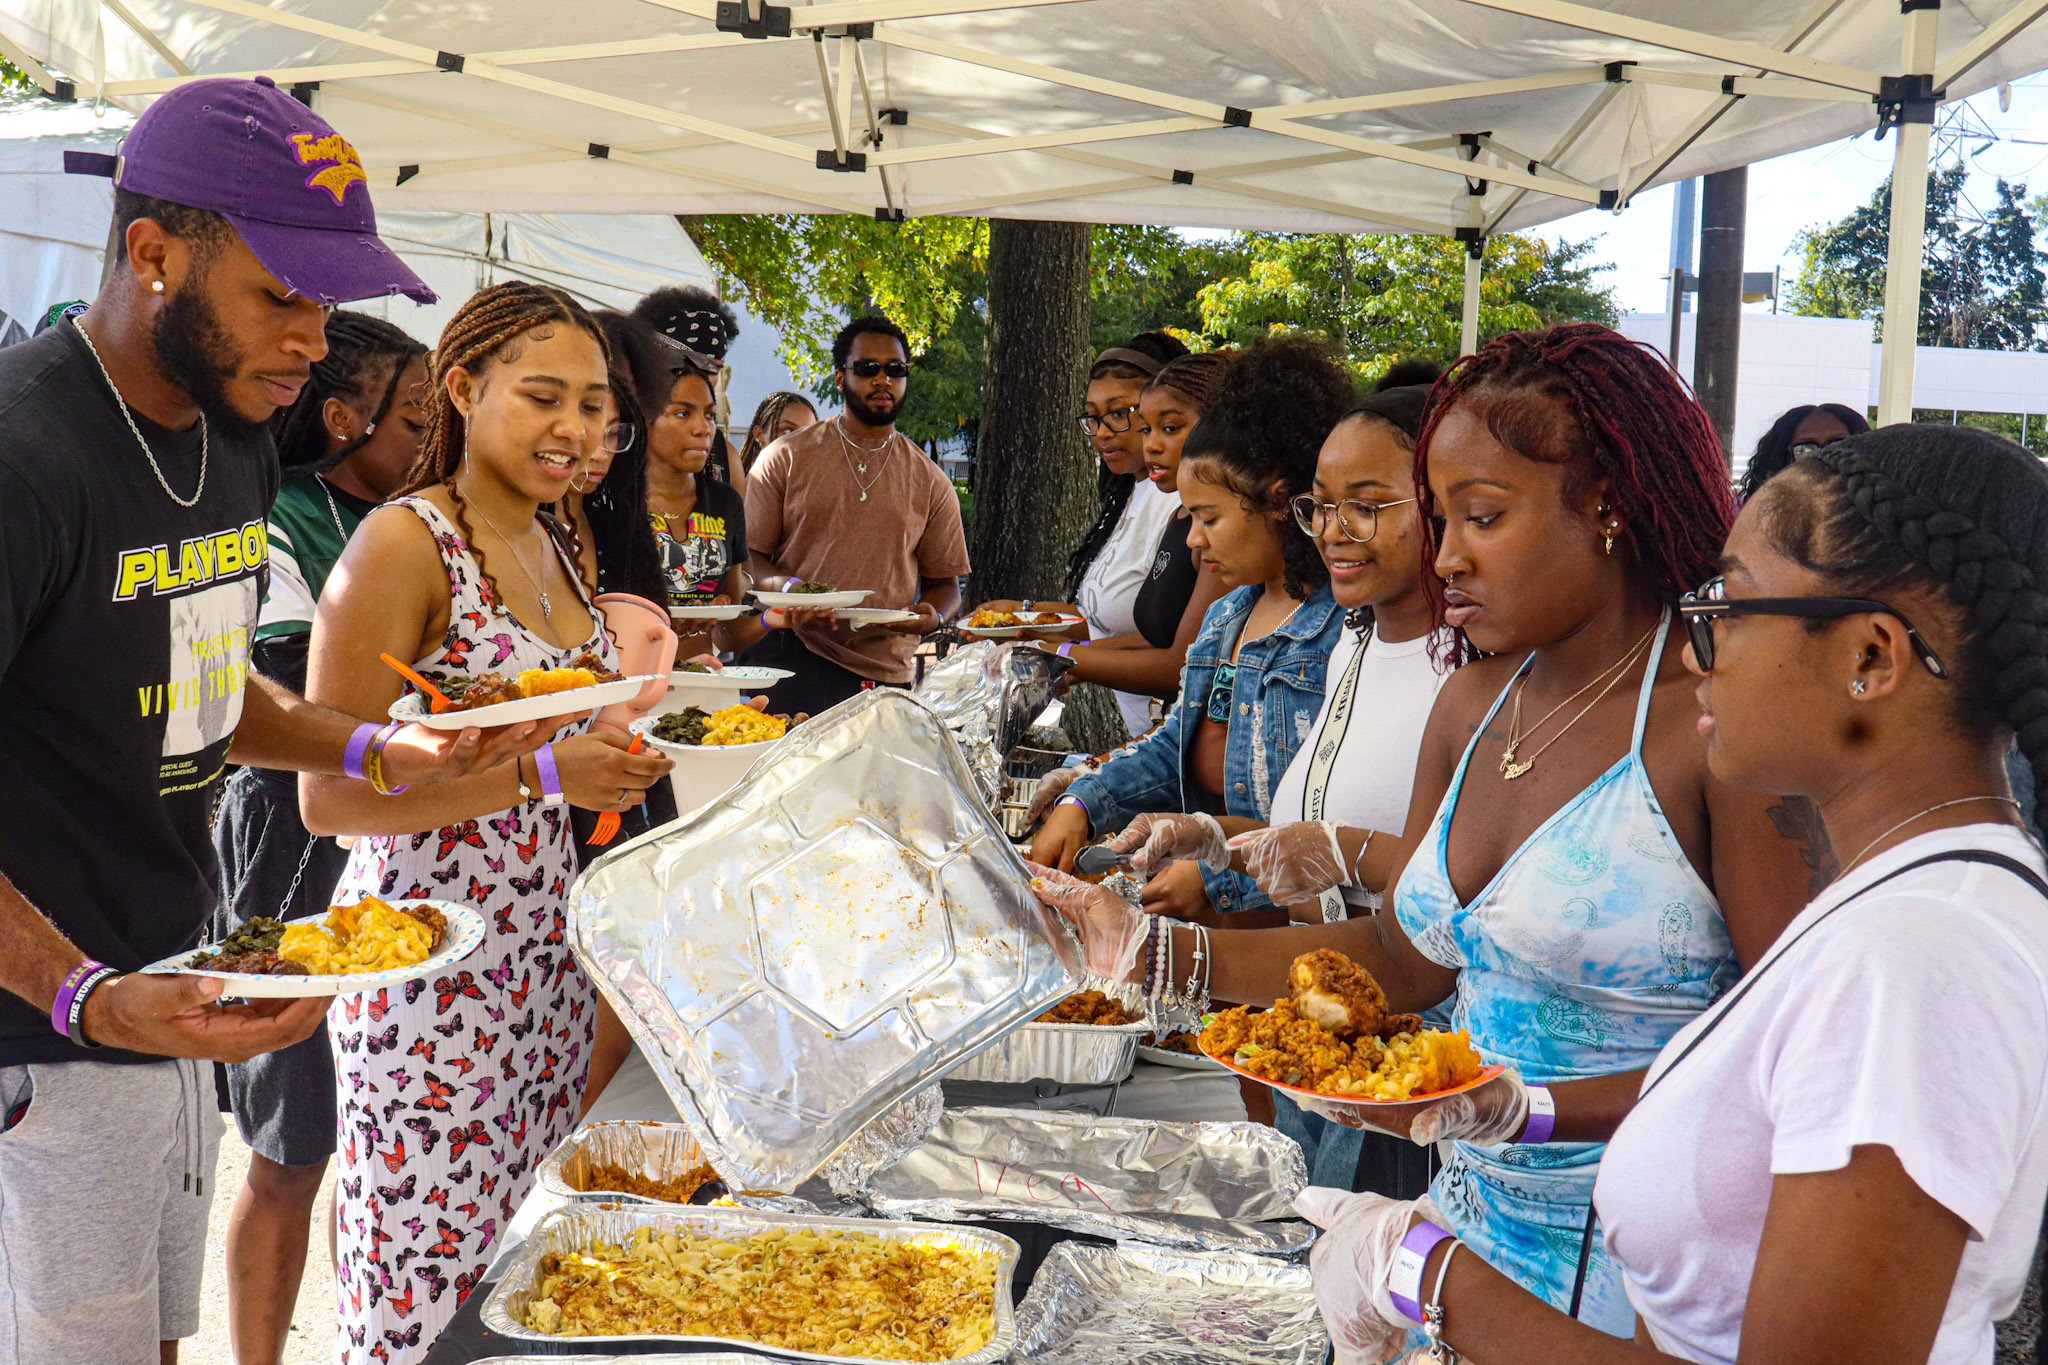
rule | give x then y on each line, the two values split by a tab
1907	234
1717	331
1468	326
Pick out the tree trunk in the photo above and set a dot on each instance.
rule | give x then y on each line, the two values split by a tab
1034	471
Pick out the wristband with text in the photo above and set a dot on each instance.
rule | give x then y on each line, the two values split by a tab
550	776
1404	1277
74	1013
1066	651
358	745
1542	1116
60	1008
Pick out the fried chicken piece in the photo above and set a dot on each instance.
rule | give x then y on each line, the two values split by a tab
1332	990
433	919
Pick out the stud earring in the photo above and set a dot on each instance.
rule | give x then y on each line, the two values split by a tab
370	430
1858	688
156	286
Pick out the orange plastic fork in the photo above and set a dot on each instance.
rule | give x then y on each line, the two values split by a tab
436	702
607	828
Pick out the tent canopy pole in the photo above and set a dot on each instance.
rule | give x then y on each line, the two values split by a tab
1908	229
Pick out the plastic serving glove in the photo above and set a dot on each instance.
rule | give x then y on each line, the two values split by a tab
1155	840
1350	1265
1050	788
1293	863
1486	1114
1112	930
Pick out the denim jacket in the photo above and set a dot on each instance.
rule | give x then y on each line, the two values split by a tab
1276	698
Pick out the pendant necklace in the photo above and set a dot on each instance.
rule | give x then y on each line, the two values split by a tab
847	447
547	608
1510	766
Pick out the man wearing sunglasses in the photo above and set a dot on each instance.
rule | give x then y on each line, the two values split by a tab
852	502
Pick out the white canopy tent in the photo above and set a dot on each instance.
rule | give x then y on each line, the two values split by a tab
1460	117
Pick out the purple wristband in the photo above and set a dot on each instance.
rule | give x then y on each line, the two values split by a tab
60	1008
1542	1117
550	776
358	745
1404	1277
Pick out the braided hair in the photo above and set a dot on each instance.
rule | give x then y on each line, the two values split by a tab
1266	422
1584	395
1115	489
481	332
1193	377
1774	448
358	346
1952	509
765	418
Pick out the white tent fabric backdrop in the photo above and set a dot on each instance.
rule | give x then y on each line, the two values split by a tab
1309	115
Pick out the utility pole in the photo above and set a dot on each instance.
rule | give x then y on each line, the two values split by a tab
1717	342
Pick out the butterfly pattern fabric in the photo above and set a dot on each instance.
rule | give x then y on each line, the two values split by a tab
453	1087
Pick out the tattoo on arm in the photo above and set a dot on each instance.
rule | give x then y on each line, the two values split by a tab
1798	819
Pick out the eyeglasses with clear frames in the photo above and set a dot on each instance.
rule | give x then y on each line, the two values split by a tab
1117	420
1312	514
618	436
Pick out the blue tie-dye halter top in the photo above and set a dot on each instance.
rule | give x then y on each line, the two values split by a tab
1594	944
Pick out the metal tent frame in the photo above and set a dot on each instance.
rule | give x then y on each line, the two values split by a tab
858	158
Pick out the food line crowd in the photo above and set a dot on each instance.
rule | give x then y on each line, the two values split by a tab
1485	701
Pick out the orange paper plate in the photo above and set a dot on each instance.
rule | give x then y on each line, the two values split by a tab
1486	1073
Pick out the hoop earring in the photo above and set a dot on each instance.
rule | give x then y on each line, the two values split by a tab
578	484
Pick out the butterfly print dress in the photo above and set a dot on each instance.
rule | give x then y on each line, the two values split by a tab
452	1088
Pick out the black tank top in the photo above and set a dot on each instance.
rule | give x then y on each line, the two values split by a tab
1163	597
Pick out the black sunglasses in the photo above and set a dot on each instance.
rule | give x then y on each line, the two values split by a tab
868	369
1709	603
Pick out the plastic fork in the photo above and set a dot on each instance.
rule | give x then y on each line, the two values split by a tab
607	828
435	701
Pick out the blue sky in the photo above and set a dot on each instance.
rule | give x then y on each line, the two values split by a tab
1802	190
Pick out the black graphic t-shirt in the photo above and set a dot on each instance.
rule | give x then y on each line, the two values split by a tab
698	551
125	628
1169	583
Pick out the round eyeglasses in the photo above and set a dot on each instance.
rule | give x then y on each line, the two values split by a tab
618	436
1359	521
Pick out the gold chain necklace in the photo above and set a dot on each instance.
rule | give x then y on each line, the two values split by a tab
846	448
1512	768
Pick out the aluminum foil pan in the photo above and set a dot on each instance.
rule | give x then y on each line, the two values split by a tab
708	1358
588	1223
844	927
1193	1186
988	693
662	1151
886	1141
1069	1054
1125	1305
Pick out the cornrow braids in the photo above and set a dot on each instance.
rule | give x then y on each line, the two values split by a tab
1193	377
1953	509
765	417
477	335
358	345
1584	395
1265	423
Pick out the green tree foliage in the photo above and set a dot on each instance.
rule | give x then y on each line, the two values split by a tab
13	77
1983	283
1378	299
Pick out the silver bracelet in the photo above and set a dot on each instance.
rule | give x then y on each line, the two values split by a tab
1355	861
1440	1352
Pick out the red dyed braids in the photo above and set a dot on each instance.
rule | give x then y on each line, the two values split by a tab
1584	395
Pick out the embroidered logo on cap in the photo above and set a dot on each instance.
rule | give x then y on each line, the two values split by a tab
339	165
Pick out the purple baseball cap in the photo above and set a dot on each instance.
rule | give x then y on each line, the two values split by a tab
288	183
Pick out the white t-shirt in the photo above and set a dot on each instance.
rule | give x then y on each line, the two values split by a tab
1109	590
1914	1019
1373	775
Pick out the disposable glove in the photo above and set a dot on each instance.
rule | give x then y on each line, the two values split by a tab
1293	863
1154	840
1113	931
1350	1264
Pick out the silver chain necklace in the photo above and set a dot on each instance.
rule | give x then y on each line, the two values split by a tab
204	443
332	510
547	608
846	448
1959	801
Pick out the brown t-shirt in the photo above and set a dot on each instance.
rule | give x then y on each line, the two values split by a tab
804	512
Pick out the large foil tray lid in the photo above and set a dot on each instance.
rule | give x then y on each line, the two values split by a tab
845	925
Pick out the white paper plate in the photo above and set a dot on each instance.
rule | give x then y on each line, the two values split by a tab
1012	632
874	616
555	705
465	932
848	598
692	755
707	612
731	681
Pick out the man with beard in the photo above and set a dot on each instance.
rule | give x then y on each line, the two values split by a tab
135	479
854	503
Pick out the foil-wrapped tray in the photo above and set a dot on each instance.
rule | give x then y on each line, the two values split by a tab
1069	1054
988	693
1126	1305
1192	1186
588	1223
845	926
